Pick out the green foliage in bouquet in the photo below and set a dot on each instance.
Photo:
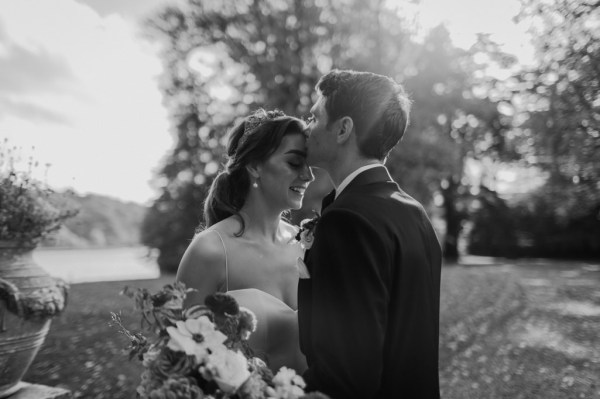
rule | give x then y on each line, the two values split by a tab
201	351
29	209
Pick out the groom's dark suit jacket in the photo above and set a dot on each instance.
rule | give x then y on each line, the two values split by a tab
369	314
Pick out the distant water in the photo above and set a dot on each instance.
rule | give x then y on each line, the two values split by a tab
102	264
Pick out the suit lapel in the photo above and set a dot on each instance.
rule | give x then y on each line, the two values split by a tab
366	178
327	200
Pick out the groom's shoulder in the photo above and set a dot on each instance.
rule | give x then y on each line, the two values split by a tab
384	204
381	197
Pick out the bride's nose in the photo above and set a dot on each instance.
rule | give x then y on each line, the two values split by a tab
307	174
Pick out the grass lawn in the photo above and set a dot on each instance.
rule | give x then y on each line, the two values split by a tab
539	340
500	337
82	352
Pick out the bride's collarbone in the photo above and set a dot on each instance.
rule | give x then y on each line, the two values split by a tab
276	256
268	259
266	246
232	227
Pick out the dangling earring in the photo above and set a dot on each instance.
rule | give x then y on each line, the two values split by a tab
255	184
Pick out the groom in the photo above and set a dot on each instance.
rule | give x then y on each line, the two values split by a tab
369	313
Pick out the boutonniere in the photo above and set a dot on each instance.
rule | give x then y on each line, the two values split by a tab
306	234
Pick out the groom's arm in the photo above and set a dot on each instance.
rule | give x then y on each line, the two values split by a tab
350	267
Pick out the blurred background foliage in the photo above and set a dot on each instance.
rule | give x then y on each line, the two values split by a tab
503	156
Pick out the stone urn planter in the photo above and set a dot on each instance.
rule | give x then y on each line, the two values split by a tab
29	298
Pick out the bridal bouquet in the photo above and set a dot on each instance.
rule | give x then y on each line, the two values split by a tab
201	351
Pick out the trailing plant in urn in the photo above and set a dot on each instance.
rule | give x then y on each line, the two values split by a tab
29	209
29	297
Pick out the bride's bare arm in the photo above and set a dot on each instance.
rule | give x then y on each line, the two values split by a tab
202	267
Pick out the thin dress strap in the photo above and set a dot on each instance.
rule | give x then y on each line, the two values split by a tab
226	267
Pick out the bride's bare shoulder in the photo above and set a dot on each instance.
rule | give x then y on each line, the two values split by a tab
209	240
205	247
229	227
202	264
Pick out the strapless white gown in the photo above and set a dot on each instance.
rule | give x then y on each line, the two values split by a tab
276	338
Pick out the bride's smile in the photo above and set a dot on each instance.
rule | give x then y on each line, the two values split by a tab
298	189
282	178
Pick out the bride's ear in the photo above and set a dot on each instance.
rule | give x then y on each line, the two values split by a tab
253	171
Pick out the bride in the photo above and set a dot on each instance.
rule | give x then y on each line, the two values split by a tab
247	249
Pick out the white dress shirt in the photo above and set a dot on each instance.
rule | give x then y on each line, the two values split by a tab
352	175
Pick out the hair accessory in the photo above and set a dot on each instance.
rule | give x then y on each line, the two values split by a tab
250	125
255	120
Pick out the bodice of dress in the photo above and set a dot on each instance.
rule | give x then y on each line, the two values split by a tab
276	339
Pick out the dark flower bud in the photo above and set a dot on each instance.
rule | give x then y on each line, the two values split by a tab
159	299
221	303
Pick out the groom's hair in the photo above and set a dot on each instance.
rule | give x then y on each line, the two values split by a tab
378	105
251	141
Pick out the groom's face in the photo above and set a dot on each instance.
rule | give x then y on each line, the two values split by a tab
321	141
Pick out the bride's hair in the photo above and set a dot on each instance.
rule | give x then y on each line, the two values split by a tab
250	142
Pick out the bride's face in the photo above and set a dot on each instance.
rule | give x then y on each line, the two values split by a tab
284	176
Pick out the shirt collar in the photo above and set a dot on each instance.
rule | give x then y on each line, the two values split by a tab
352	175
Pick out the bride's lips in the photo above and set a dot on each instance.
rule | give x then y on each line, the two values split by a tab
298	189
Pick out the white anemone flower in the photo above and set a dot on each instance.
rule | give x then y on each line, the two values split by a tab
228	368
195	337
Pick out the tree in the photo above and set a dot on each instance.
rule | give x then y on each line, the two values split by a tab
223	59
455	118
560	132
192	164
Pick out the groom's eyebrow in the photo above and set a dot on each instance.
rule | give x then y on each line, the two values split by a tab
297	152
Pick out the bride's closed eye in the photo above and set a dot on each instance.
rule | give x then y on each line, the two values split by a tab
296	164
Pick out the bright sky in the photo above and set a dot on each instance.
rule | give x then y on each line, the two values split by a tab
80	83
465	18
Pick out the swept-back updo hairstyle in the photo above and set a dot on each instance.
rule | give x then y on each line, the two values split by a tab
250	142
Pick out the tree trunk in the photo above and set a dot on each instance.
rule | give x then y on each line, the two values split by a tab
453	219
